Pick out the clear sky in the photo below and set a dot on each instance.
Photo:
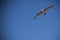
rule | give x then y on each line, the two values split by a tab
18	22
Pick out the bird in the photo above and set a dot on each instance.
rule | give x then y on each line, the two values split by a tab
43	11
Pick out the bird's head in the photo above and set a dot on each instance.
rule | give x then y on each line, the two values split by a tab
42	10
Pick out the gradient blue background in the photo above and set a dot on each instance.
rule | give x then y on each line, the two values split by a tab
18	22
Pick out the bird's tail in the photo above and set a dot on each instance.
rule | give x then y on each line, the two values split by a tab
44	13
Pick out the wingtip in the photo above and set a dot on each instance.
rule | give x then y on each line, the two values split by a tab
34	17
53	5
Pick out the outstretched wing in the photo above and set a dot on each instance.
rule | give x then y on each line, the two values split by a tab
48	7
37	15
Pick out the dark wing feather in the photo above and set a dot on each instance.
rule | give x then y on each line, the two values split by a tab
48	7
37	15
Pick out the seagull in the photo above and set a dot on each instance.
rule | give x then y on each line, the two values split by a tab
43	11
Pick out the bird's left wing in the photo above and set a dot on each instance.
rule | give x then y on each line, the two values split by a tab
37	15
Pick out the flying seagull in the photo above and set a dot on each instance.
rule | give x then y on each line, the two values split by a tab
43	11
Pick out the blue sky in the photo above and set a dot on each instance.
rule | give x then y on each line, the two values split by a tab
18	22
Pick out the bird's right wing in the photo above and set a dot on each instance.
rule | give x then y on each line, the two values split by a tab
37	15
48	7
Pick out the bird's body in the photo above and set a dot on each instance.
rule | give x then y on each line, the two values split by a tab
43	11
